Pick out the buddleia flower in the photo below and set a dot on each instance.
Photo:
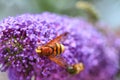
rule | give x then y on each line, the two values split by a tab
20	36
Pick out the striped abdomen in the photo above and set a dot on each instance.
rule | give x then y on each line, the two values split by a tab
54	49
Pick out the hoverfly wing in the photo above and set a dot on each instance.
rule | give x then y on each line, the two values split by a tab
59	60
57	39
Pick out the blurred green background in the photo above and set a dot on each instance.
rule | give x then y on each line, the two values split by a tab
108	10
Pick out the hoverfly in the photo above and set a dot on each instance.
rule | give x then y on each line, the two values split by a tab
53	49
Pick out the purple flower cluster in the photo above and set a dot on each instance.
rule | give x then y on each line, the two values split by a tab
19	36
